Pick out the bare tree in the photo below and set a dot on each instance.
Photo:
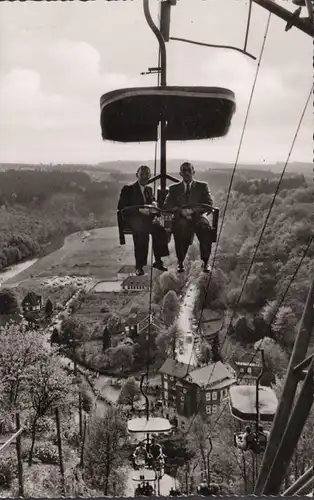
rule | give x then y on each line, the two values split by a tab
106	441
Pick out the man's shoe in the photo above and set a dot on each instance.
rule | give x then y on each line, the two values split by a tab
139	271
180	268
206	267
159	265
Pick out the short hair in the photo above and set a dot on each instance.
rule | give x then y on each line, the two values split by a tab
140	168
187	164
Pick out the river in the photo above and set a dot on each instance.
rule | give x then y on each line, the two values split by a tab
14	270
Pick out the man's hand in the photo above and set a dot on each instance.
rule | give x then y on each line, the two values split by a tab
144	211
154	204
187	212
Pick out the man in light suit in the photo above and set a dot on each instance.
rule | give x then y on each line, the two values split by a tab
141	222
188	222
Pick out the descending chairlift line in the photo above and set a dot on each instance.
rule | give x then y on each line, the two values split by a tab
148	459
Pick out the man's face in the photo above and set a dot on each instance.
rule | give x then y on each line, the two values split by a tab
143	175
187	172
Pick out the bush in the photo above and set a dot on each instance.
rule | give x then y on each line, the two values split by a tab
7	471
47	453
87	401
72	437
44	425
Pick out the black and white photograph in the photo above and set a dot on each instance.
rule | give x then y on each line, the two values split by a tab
156	248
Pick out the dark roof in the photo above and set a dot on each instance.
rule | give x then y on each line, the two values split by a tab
246	359
174	368
135	280
209	316
210	374
145	323
135	319
31	298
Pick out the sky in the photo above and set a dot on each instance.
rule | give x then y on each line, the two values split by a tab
58	58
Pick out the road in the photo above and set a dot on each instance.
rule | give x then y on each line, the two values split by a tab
188	355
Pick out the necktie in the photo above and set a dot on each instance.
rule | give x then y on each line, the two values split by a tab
187	193
146	195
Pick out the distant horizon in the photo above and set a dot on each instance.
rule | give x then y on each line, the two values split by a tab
151	160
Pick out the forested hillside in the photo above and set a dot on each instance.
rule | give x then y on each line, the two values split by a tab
37	207
288	233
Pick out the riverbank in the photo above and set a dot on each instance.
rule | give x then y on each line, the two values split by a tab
96	254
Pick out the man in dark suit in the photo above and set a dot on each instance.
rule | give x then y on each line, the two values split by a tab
188	222
141	222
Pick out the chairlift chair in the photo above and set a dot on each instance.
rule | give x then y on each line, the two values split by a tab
166	217
180	113
253	404
190	113
243	400
149	425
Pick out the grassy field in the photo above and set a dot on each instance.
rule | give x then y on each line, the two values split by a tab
96	254
93	309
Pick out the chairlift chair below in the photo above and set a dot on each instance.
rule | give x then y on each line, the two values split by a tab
242	400
153	425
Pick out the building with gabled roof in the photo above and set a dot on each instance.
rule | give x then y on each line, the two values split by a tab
135	283
191	390
139	324
247	369
32	302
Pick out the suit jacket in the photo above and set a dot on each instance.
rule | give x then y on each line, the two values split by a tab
199	194
131	195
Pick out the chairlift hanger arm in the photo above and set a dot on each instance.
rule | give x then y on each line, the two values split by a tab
157	177
161	41
203	44
302	24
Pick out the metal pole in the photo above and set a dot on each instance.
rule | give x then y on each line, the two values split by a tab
163	83
248	25
60	450
299	483
83	444
286	401
80	397
9	441
303	25
19	456
292	435
306	488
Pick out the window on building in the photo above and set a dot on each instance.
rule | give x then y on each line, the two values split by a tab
214	395
249	369
172	379
214	408
241	370
182	398
208	409
208	396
